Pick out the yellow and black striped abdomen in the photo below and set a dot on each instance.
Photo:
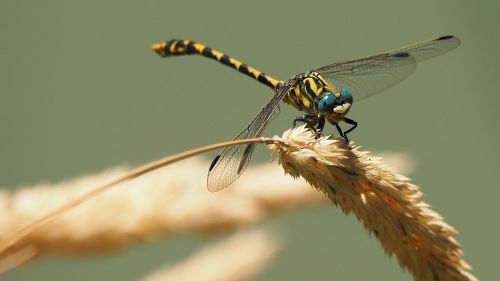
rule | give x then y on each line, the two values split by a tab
303	96
177	47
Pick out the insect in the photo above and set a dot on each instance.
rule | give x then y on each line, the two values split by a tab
325	93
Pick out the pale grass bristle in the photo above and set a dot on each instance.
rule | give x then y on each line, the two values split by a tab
239	257
386	203
170	200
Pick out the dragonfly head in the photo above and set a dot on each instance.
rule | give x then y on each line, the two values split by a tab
326	103
346	96
338	102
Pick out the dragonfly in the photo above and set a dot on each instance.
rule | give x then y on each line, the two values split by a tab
325	93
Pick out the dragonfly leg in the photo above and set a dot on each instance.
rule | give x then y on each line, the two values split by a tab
353	123
299	119
340	131
310	120
313	123
320	126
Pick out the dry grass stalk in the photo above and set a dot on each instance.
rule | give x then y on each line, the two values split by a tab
17	258
386	203
10	239
170	200
239	257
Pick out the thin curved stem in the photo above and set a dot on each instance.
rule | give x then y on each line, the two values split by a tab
20	233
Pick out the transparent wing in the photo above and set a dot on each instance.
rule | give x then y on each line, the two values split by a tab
371	75
233	160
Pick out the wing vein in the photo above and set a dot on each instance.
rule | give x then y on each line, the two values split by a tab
233	160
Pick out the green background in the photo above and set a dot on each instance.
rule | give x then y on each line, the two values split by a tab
81	91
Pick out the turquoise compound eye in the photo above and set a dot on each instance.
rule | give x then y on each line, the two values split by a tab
346	94
326	103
